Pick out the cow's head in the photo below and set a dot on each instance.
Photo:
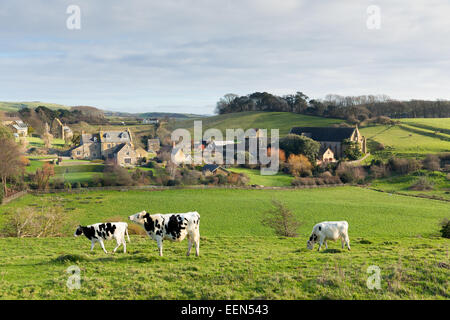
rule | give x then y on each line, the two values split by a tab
78	232
312	240
138	217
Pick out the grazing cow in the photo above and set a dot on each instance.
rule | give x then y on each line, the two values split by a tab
173	226
329	230
105	231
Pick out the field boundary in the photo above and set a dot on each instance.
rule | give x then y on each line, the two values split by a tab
14	196
195	187
407	194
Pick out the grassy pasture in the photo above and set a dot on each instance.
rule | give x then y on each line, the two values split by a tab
264	120
239	258
279	180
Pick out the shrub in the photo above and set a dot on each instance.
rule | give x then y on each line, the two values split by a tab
350	174
432	162
1	195
67	186
299	165
379	171
296	144
77	185
31	222
404	166
423	183
445	228
281	220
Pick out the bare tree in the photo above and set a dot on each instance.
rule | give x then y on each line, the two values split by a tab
11	164
281	220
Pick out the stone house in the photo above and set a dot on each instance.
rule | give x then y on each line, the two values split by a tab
115	146
333	137
153	145
326	155
19	128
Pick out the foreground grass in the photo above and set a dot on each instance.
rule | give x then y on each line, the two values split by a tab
228	268
239	258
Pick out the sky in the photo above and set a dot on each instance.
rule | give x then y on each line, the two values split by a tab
183	55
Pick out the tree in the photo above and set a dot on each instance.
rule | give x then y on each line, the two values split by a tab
299	165
352	149
281	220
43	175
296	144
5	133
47	137
10	161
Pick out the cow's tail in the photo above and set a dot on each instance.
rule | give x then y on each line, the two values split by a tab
126	230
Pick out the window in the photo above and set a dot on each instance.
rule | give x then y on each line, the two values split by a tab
109	145
128	160
78	153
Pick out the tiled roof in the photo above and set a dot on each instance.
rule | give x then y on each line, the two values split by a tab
324	133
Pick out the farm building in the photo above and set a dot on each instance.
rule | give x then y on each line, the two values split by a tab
150	121
108	145
326	155
213	169
333	138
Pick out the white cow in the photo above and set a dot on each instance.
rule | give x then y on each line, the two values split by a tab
99	232
172	226
329	230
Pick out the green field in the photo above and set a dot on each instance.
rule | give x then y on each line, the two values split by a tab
403	183
278	180
239	257
405	142
264	120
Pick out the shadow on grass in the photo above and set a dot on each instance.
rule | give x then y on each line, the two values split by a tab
332	251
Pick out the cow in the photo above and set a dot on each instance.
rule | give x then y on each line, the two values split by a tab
329	230
100	232
172	226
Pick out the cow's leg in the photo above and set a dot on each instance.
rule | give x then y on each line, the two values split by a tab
320	244
190	242
92	245
326	244
103	246
119	242
342	243
347	241
159	241
197	243
124	245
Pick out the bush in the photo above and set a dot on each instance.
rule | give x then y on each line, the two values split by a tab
432	162
281	220
404	166
77	185
1	195
351	174
299	165
379	171
423	183
31	222
445	228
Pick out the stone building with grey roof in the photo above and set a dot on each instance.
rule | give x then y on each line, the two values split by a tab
114	146
332	137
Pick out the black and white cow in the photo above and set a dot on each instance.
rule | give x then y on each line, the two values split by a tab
100	232
173	226
329	230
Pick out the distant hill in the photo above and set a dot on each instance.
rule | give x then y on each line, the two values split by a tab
265	120
178	116
15	106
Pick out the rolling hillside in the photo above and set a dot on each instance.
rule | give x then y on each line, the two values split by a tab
412	137
15	106
265	120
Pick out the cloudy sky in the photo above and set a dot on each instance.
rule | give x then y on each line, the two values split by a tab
183	55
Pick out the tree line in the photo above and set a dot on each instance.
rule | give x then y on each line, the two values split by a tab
353	108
